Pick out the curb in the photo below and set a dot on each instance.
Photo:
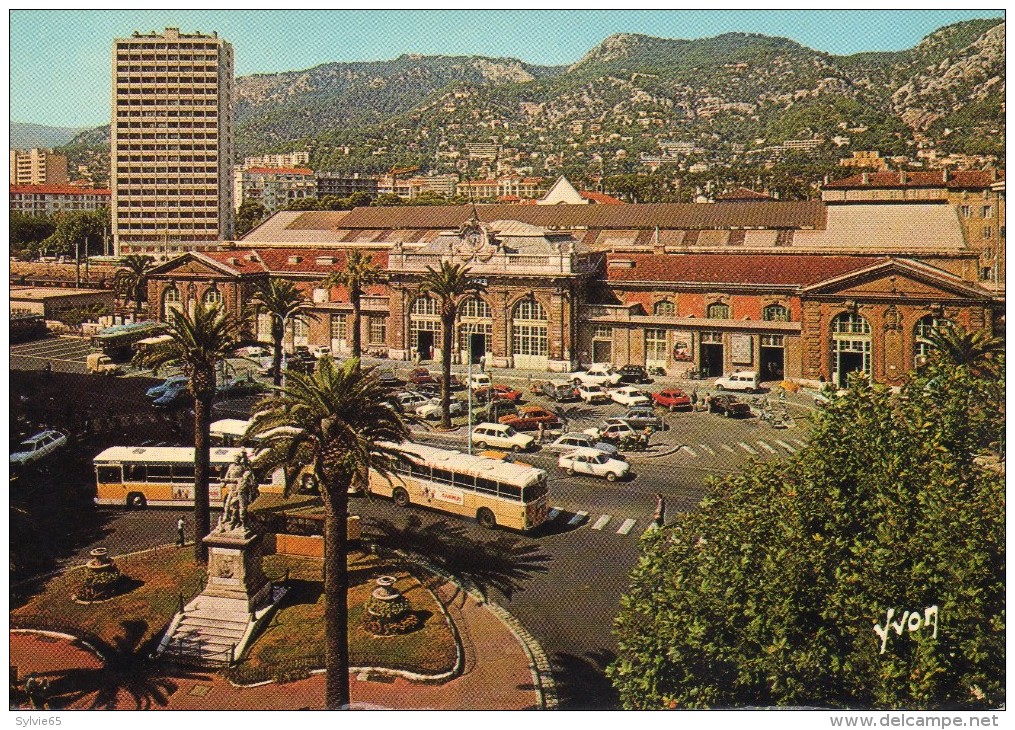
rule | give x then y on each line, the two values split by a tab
539	664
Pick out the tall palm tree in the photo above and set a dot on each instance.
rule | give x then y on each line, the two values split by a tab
358	273
957	346
449	284
198	342
282	300
131	279
338	425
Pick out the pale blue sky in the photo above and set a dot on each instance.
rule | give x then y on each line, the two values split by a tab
60	60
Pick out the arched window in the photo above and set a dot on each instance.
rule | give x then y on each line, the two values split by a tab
921	337
717	311
474	308
851	347
171	301
212	296
426	306
529	332
664	308
775	313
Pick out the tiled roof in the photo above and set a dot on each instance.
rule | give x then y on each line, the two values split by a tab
600	198
58	190
960	179
238	260
806	214
742	194
304	261
772	269
294	226
280	170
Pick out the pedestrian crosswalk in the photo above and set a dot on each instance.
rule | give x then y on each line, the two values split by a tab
777	447
569	518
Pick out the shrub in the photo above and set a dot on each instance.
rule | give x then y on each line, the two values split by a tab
98	585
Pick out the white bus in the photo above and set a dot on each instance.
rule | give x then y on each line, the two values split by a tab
162	476
493	491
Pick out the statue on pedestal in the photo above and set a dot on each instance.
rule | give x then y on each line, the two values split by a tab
240	487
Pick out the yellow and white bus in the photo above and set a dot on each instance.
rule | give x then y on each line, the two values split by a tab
161	476
495	492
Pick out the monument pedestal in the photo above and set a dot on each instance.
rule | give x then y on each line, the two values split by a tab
234	568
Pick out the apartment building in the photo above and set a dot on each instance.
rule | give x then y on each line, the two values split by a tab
509	187
171	142
38	167
52	199
273	187
344	185
288	159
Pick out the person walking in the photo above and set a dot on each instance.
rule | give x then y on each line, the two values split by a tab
542	431
49	369
659	518
179	532
694	398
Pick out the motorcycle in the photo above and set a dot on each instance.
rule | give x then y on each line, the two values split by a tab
656	372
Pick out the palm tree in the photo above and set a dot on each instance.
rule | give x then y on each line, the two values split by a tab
338	425
198	342
282	300
131	280
449	284
957	346
359	272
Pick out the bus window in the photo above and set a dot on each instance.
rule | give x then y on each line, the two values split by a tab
534	491
183	472
135	473
486	485
110	474
441	475
510	491
159	473
465	481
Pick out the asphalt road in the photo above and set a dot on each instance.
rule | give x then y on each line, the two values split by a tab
562	581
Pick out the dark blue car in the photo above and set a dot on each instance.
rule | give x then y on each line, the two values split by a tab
173	397
170	383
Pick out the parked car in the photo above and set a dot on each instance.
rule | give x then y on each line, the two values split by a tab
634	374
559	390
596	374
37	446
430	390
174	397
507	456
497	392
492	412
629	396
388	378
672	398
641	417
408	402
173	381
529	418
612	430
99	364
319	351
252	351
729	406
570	441
746	381
501	436
592	394
431	410
235	387
301	361
419	376
593	462
478	380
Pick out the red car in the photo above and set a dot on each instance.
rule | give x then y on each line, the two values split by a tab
672	398
529	418
421	376
497	392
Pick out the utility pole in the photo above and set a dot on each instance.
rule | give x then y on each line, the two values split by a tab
87	273
77	264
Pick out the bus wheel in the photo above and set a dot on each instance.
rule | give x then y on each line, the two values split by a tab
136	500
401	497
486	518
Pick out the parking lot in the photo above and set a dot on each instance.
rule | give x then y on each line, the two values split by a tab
65	354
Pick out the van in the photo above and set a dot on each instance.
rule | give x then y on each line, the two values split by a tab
100	364
747	381
479	380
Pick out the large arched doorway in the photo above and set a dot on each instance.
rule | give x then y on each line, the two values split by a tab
425	328
475	329
851	347
171	301
530	344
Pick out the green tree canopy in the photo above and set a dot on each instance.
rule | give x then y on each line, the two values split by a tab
777	589
249	216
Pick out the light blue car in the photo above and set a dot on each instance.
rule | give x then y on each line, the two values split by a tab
173	382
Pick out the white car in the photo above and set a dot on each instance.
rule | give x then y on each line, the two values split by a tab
612	429
596	374
410	401
319	351
478	380
432	409
37	446
592	394
253	351
747	381
629	396
594	463
500	436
